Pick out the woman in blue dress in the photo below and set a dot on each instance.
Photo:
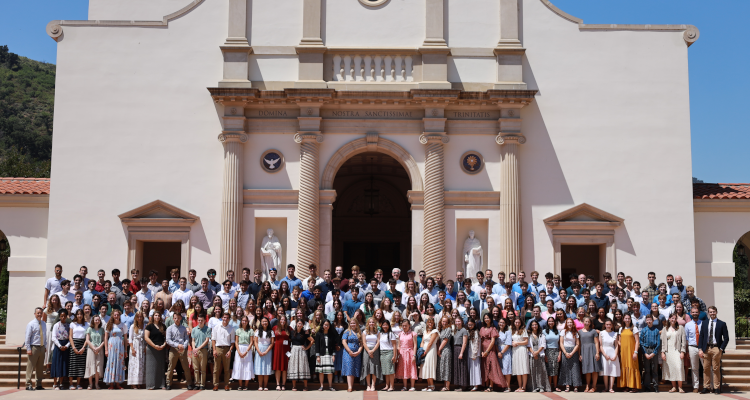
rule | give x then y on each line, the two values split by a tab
263	362
339	323
504	346
352	363
115	338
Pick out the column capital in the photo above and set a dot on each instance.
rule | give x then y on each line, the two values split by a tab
502	139
302	137
433	137
226	137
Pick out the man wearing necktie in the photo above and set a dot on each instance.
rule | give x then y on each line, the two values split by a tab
481	304
714	337
34	343
693	333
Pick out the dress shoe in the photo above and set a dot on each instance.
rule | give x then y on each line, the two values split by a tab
168	387
216	387
190	387
39	388
717	391
30	388
656	389
696	390
227	388
704	391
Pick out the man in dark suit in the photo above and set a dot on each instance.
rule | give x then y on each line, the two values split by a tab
714	338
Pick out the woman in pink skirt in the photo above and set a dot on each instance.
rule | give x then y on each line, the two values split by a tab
407	366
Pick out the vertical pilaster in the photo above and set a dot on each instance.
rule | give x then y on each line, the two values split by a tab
236	48
434	50
434	137
311	49
509	34
509	140
237	32
232	202
308	239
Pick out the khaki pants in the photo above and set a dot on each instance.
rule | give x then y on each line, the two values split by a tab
221	362
35	362
175	356
199	366
711	363
695	365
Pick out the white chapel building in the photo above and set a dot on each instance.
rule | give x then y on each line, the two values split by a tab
369	132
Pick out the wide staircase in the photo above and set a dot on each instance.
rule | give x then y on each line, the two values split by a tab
735	366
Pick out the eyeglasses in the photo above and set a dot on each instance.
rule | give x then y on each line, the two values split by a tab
212	274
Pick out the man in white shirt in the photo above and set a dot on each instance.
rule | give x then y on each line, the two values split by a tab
65	295
480	282
400	285
378	274
488	287
230	277
222	340
226	294
313	274
183	293
635	294
53	284
144	294
272	272
34	341
430	290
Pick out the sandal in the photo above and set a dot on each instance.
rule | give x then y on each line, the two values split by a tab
611	390
681	391
567	389
278	387
320	389
403	389
444	390
672	390
412	389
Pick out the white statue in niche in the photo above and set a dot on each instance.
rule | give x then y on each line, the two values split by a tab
270	254
473	256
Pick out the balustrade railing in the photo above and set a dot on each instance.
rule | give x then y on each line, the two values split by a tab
373	68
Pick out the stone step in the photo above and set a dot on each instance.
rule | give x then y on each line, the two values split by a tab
735	363
736	371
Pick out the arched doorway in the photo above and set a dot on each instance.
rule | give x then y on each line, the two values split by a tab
371	216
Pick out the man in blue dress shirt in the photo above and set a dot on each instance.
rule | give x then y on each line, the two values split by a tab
352	305
651	345
692	329
290	279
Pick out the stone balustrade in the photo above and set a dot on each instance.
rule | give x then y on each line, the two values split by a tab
376	68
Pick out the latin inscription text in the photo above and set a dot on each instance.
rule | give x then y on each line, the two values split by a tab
373	114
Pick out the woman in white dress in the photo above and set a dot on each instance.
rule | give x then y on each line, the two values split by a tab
609	344
520	366
243	370
53	306
137	360
429	344
673	346
475	358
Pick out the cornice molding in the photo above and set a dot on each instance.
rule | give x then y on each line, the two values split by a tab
721	205
690	32
55	31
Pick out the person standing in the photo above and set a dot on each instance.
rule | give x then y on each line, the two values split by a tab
243	360
651	346
538	368
714	338
520	353
630	372
201	337
591	363
673	353
692	331
504	348
60	355
178	340
53	284
95	353
407	350
326	342
78	348
429	343
155	338
388	356
445	352
552	352
570	365
491	371
460	370
35	339
609	347
280	349
371	371
115	340
352	362
299	366
137	359
263	363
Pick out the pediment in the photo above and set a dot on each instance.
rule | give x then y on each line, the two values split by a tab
584	214
158	211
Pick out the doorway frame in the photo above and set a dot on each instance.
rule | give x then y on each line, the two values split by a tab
585	225
157	221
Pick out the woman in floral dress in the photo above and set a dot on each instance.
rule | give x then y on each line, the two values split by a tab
137	360
352	363
115	338
491	372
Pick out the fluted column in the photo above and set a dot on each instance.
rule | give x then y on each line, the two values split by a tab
231	207
510	204
434	204
308	239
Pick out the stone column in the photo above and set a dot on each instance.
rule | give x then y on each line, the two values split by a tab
308	239
232	203
433	260
509	140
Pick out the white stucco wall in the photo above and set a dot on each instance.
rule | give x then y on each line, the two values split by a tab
472	23
610	127
268	30
716	234
135	123
139	10
398	23
26	231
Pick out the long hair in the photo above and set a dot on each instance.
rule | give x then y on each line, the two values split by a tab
111	322
339	322
369	331
283	324
573	328
160	326
137	322
53	308
264	333
551	327
355	331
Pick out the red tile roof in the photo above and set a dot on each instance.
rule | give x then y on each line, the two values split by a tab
24	185
721	190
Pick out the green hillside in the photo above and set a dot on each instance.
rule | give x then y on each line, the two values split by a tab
27	94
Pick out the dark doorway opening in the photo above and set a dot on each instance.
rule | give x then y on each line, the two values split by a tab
161	257
372	215
581	259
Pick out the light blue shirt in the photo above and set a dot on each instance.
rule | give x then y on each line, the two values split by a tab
552	296
536	288
505	339
127	319
499	290
173	286
292	282
552	338
691	330
275	285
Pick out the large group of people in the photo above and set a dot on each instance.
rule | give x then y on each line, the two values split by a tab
463	334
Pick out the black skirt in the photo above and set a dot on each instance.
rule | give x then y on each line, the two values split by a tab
460	367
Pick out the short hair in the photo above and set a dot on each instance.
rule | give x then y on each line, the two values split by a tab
101	270
537	307
311	279
450	281
83	267
713	308
534	273
204	280
290	266
133	271
556	277
467	282
391	281
183	279
396	269
650	316
226	281
607	275
636	283
193	271
378	271
355	267
211	271
480	273
549	276
576	285
623	274
354	289
125	282
652	273
628	277
599	284
668	275
116	271
524	284
689	288
144	280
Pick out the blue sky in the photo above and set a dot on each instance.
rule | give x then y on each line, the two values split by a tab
718	62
